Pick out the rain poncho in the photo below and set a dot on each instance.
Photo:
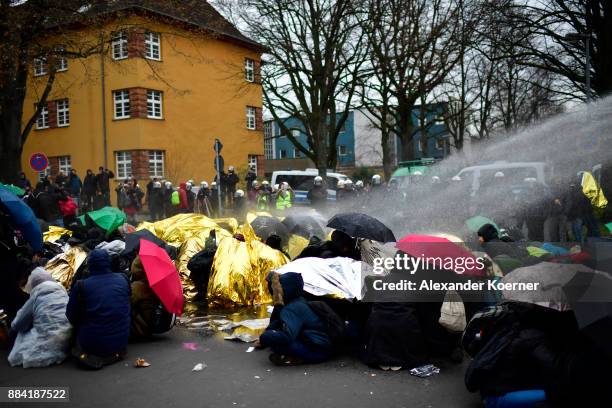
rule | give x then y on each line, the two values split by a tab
593	191
43	329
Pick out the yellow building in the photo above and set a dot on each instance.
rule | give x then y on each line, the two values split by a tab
169	81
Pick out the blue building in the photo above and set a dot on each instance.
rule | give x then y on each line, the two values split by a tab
358	144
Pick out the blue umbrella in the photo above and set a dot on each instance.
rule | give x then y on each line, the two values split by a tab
23	218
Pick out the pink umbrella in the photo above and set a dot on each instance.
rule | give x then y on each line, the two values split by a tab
162	276
438	250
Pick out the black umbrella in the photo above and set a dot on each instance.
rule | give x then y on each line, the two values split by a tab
359	225
305	226
132	244
265	226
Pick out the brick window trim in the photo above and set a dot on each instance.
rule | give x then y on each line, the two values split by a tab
136	44
258	119
53	167
257	72
138	103
52	115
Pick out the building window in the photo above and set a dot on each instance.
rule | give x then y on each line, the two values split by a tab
63	113
268	142
153	46
249	70
43	174
440	144
122	104
124	164
40	66
62	64
154	104
253	162
119	45
342	150
251	115
64	164
295	133
156	163
282	154
297	153
43	119
439	121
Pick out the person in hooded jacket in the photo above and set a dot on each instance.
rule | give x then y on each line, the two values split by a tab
156	202
43	331
99	310
48	204
493	246
295	334
184	200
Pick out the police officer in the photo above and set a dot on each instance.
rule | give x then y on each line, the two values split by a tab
317	195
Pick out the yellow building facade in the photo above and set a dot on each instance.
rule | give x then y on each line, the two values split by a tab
152	103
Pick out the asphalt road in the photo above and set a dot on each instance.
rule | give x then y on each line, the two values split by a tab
234	378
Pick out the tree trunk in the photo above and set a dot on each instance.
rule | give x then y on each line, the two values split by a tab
386	154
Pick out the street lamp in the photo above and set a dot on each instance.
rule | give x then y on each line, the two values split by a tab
577	38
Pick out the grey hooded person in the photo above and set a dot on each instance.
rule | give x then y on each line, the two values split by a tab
43	330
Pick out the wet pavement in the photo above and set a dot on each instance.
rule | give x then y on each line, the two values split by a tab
234	378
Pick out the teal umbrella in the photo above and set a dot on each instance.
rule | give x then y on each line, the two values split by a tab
609	227
18	191
475	223
107	218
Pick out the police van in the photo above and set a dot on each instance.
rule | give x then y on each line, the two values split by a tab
301	181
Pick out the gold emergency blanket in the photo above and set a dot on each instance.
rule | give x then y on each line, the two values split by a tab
177	229
239	271
64	266
187	251
296	245
55	233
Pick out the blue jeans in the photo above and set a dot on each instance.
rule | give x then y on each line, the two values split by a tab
516	399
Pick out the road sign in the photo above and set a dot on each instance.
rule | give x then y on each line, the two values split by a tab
39	162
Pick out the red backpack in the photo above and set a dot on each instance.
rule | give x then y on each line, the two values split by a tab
68	207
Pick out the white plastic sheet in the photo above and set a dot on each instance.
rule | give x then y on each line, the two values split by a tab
339	277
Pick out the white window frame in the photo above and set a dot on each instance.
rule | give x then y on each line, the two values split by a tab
123	164
40	66
297	153
153	46
296	133
44	173
42	122
119	46
62	64
282	154
121	100
156	162
63	112
249	70
155	104
251	118
64	164
252	159
268	140
340	148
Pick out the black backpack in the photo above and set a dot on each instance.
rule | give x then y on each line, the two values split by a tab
334	325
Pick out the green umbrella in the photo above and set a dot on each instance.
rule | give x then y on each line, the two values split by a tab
475	223
108	218
609	227
409	171
18	191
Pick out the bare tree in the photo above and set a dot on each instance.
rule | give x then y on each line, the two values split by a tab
415	44
315	54
550	21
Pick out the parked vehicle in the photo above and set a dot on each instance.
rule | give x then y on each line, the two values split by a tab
301	181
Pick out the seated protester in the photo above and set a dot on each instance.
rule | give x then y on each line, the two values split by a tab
99	309
493	246
340	244
43	331
295	333
148	315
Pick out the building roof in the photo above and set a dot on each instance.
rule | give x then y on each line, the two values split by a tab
198	13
